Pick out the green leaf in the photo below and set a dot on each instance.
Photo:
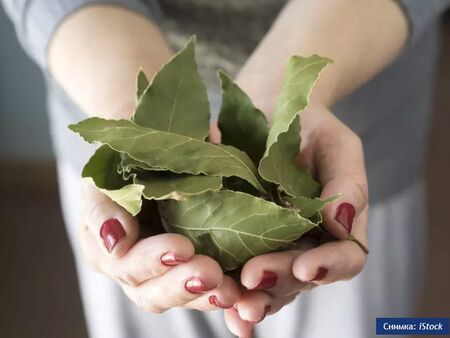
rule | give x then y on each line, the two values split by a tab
241	124
165	185
102	170
308	207
232	226
141	85
177	153
283	143
177	100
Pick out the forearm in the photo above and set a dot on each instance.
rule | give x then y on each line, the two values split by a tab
96	53
361	36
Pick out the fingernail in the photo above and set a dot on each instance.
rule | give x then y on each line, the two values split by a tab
214	301
321	274
111	232
171	259
266	311
345	215
268	280
195	285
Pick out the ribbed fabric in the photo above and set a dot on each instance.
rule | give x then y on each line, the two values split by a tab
36	20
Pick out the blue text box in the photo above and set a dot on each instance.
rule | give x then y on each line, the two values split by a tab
413	326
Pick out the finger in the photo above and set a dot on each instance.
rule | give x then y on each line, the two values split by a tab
236	324
148	258
272	272
178	286
331	262
339	160
254	306
223	297
113	227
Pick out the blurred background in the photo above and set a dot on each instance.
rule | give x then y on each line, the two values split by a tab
38	288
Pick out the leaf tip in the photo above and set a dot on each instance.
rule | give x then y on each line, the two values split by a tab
192	41
73	127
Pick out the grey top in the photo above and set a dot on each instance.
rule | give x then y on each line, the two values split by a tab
391	113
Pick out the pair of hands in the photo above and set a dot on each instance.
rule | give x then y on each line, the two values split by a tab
162	271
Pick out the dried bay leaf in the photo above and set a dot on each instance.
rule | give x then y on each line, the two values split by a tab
176	101
177	153
101	169
166	185
241	124
141	85
232	226
309	207
283	142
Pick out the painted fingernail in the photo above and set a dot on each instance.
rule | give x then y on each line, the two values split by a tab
111	232
345	215
216	302
171	259
195	285
268	280
266	311
321	274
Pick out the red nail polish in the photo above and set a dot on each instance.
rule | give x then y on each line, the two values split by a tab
111	232
321	274
266	311
195	285
268	280
345	215
214	301
171	259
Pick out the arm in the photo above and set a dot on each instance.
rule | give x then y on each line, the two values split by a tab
362	37
95	56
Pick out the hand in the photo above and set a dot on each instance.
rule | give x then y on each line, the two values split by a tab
158	272
335	154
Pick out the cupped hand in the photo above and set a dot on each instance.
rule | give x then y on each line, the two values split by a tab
157	272
335	154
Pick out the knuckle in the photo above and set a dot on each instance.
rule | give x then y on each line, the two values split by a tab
362	190
149	267
126	278
175	297
146	304
356	141
179	241
89	256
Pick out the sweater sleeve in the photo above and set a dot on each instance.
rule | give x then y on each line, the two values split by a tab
35	21
422	13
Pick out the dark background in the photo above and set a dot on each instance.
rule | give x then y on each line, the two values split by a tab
38	288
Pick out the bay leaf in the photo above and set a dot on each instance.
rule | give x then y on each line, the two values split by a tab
166	185
241	124
177	153
176	100
232	226
101	169
141	85
308	207
283	142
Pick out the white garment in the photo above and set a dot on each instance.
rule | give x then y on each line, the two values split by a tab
388	286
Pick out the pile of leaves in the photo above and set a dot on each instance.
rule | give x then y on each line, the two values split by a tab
234	200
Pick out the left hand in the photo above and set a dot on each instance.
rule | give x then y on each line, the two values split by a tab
332	151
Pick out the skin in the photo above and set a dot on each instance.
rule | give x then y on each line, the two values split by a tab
104	46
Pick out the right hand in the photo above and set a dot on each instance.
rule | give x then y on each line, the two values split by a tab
158	272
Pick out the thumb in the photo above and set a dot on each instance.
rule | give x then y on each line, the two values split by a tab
339	161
